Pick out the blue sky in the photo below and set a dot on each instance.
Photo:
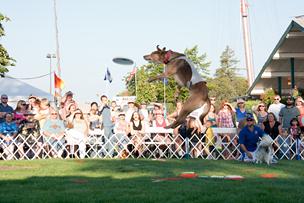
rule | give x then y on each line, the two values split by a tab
92	32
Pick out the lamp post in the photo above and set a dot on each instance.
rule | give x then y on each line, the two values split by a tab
50	56
126	61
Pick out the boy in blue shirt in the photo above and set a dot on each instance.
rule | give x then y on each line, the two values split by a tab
8	131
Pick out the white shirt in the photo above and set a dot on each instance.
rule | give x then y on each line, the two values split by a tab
275	109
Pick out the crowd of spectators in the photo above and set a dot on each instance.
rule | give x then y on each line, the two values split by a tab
36	128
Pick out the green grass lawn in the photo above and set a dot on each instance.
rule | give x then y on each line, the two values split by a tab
132	181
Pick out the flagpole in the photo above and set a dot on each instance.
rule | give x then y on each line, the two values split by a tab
165	108
108	78
135	81
57	47
108	83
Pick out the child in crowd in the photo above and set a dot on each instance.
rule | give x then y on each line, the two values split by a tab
209	138
8	132
295	131
121	131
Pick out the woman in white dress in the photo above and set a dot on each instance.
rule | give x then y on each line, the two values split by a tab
77	134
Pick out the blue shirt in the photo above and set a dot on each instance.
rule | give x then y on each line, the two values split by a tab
7	109
240	115
54	126
250	138
106	116
8	128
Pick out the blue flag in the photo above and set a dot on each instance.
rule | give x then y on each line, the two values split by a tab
165	81
108	76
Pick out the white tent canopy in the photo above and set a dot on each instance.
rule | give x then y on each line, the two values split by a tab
16	90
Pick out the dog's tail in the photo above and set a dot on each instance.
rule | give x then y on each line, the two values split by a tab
206	108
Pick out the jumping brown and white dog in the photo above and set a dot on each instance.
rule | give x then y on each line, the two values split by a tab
183	71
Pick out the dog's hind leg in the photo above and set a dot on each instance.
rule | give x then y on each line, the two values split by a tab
190	105
205	110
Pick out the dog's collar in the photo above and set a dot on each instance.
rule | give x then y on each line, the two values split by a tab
167	57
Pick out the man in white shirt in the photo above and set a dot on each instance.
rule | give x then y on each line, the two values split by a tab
276	106
130	111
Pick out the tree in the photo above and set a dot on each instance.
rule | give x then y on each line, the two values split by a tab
200	61
5	59
227	85
228	64
268	96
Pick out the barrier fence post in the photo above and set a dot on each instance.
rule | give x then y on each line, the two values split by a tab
187	155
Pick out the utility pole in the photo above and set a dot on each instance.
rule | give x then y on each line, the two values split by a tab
50	56
247	42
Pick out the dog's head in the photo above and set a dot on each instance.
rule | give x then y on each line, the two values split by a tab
266	141
158	56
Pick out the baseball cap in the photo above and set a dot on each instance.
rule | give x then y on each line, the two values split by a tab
249	116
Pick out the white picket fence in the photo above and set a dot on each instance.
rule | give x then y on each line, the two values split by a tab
155	143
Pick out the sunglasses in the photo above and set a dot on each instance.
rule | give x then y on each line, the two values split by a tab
24	104
4	98
54	113
249	119
276	99
261	106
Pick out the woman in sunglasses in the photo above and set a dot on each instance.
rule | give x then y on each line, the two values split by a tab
19	111
261	113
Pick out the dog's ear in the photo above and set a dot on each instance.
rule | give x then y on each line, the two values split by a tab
157	47
164	49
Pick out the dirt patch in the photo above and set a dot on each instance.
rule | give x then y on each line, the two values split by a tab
79	161
269	175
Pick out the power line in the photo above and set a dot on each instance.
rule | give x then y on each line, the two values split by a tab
29	78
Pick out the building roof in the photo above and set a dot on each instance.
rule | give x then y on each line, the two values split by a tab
291	45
